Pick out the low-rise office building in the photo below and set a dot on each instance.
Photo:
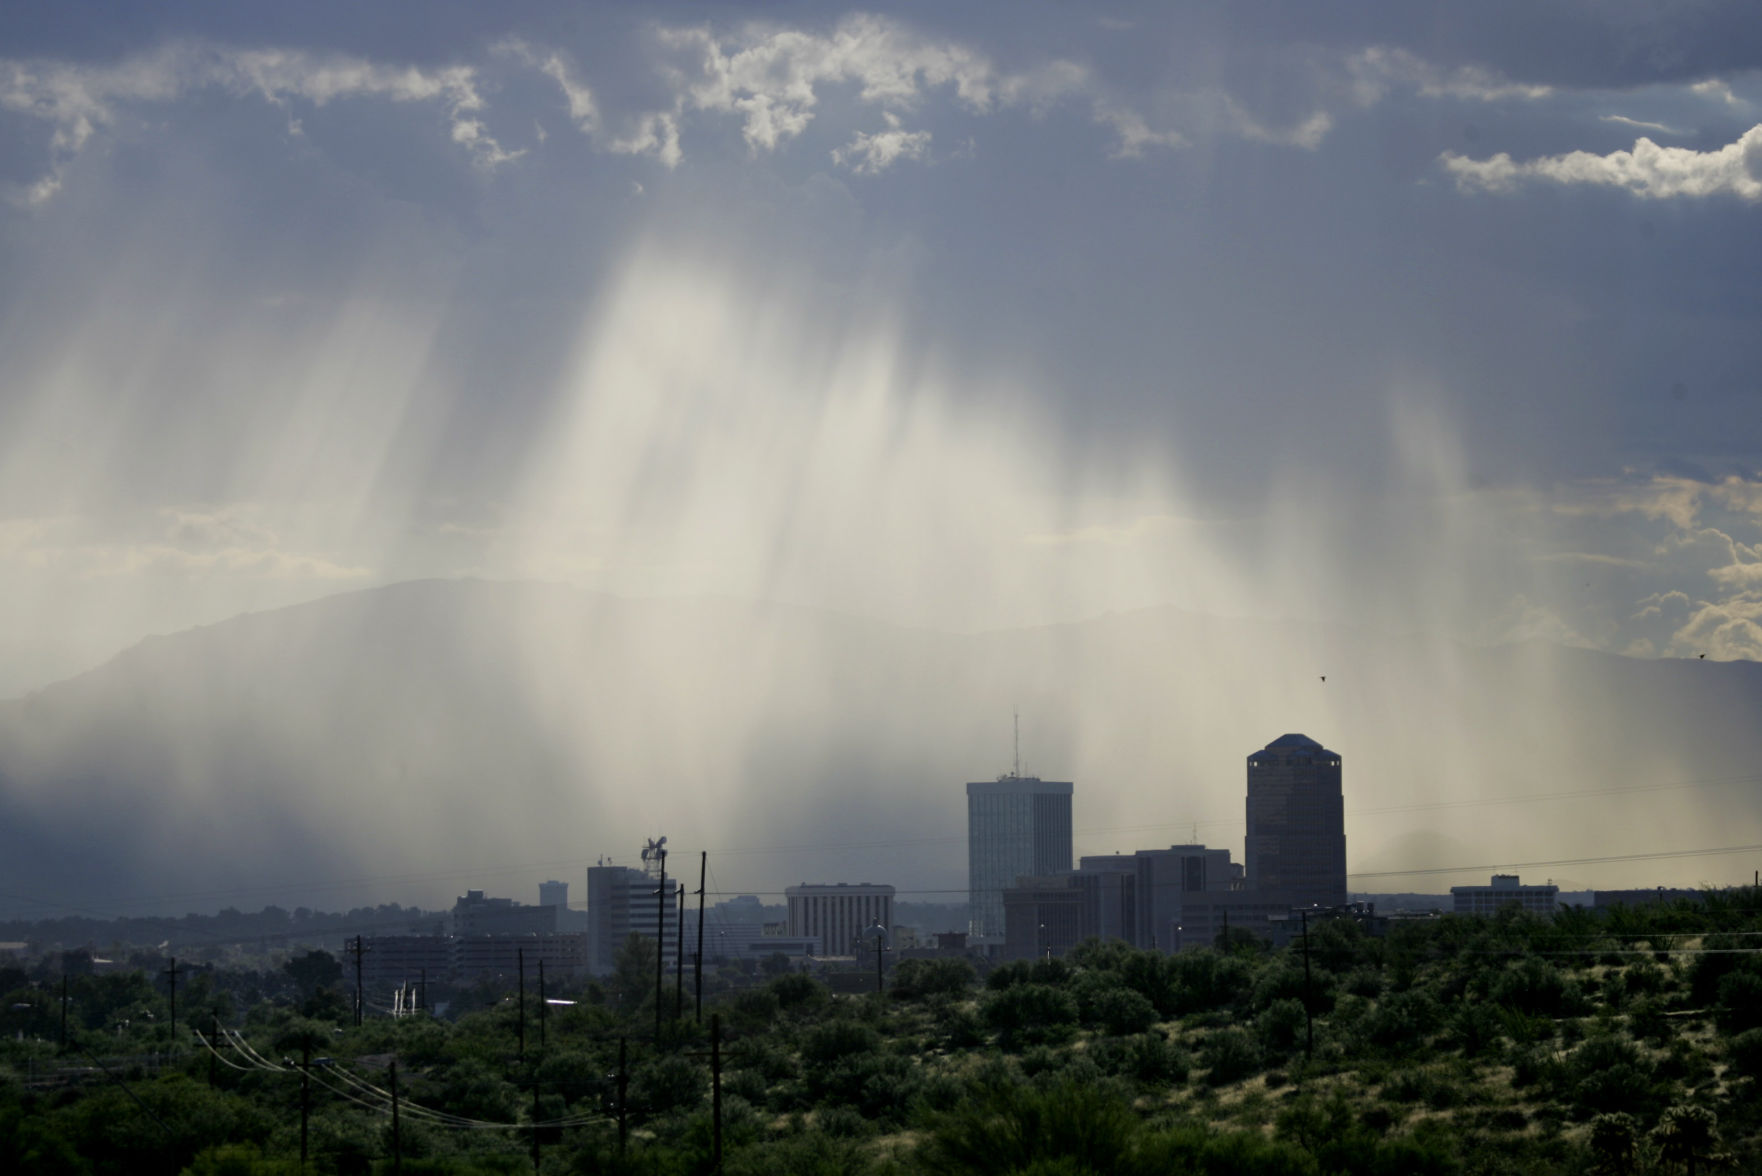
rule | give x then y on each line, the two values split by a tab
1505	890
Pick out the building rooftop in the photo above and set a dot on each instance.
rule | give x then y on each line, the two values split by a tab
1295	744
1018	785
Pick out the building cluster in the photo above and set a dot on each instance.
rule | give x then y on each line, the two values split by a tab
1027	897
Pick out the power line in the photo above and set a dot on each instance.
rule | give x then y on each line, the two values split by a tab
1588	861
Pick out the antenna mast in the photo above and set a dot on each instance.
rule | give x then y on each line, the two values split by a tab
1017	715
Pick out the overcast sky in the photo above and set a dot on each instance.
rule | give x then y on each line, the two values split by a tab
1435	316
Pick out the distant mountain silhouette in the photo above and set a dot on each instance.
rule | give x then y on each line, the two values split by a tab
403	743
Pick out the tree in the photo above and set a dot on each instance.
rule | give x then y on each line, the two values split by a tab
1613	1138
633	972
314	971
1686	1135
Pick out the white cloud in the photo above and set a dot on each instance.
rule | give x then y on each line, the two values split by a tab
1307	134
771	77
1718	91
656	134
79	100
1378	69
1649	170
868	155
1728	630
1133	132
1640	125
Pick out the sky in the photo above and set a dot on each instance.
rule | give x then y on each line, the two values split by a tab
1432	318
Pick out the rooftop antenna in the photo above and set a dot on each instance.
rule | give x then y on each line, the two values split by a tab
1017	715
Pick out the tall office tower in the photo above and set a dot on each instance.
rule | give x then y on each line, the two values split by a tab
1296	847
1017	826
621	900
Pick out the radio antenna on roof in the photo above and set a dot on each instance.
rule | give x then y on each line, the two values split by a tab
1017	715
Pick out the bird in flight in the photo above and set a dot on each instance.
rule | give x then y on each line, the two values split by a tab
1324	677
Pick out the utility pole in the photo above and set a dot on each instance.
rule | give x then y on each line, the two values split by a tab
520	966
213	1050
360	997
542	1005
1308	993
397	1139
660	939
422	997
697	961
679	955
171	974
64	1012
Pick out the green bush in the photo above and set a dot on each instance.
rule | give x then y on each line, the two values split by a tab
918	979
1740	1001
1029	1013
1205	980
1230	1055
667	1085
796	990
1282	1026
1124	1011
1745	1054
1006	1130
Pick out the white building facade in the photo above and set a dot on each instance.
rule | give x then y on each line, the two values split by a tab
837	916
1506	890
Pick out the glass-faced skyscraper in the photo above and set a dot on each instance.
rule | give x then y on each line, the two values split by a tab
1016	826
1296	846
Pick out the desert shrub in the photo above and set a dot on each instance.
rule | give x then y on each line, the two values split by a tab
1146	1058
1537	987
833	1040
1154	976
762	1055
1204	980
960	1027
753	1012
1647	1021
1230	1055
1402	1019
1228	1153
1281	1027
1712	966
1614	1137
918	979
1474	1027
1029	1013
1007	1130
1123	1011
1745	1054
795	990
667	1084
1363	982
1535	1066
747	1084
1609	1075
1740	1001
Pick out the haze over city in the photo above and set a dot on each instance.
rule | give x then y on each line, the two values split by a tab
443	445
